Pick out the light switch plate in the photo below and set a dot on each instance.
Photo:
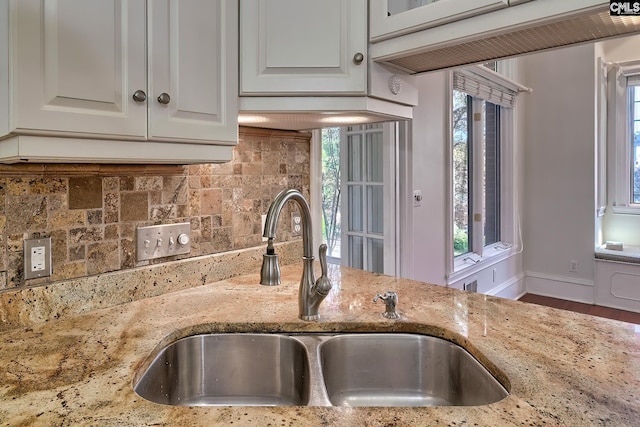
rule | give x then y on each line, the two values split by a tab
159	241
37	258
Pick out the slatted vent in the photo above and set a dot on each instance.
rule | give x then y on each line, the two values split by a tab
576	29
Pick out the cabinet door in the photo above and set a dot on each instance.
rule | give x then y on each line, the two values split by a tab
301	47
77	64
193	73
388	18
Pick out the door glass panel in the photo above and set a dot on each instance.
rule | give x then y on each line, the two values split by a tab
375	255
356	252
374	157
354	167
375	211
355	206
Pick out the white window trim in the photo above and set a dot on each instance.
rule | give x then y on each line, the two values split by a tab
486	256
618	149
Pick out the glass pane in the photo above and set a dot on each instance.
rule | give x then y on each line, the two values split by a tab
331	191
491	174
355	207
375	211
635	141
395	6
461	171
375	255
374	157
354	166
355	252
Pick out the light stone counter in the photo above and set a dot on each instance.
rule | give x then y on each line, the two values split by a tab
561	368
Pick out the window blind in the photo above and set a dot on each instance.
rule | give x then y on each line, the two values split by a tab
633	80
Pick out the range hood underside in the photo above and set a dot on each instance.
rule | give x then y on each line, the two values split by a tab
581	27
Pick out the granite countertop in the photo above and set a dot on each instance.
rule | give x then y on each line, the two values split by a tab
561	368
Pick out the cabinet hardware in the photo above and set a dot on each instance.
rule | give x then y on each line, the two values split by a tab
139	96
164	98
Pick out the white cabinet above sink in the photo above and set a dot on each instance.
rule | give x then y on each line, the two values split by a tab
115	81
304	60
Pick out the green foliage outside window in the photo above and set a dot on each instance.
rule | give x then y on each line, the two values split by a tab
331	188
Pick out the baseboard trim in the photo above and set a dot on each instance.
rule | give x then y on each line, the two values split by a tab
567	288
513	288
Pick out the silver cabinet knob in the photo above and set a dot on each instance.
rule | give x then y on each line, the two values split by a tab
164	98
139	96
358	58
183	239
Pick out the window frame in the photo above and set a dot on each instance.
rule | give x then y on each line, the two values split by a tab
481	256
620	154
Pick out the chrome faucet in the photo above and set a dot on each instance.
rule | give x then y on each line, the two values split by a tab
390	299
312	292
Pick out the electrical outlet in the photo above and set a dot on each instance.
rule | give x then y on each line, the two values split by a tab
573	266
37	258
296	224
417	198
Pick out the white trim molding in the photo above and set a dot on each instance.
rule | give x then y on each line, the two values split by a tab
563	287
513	289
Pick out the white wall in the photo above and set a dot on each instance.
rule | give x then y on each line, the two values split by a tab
430	175
559	129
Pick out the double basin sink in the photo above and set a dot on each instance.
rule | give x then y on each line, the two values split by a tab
377	369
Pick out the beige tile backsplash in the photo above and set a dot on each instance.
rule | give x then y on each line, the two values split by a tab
91	211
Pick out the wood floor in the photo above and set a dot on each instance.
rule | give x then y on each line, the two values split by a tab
594	310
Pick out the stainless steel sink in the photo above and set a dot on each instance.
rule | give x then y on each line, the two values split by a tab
317	370
229	370
404	370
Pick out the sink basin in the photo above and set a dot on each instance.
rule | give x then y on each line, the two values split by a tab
229	370
404	370
377	369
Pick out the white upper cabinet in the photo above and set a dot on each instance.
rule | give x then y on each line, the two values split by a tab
129	70
303	47
390	18
78	63
411	41
193	72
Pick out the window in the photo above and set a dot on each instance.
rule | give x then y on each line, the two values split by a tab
634	137
476	196
624	137
483	211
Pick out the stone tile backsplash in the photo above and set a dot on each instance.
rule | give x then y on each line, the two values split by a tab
91	211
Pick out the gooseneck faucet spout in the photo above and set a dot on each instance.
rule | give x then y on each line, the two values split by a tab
311	292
